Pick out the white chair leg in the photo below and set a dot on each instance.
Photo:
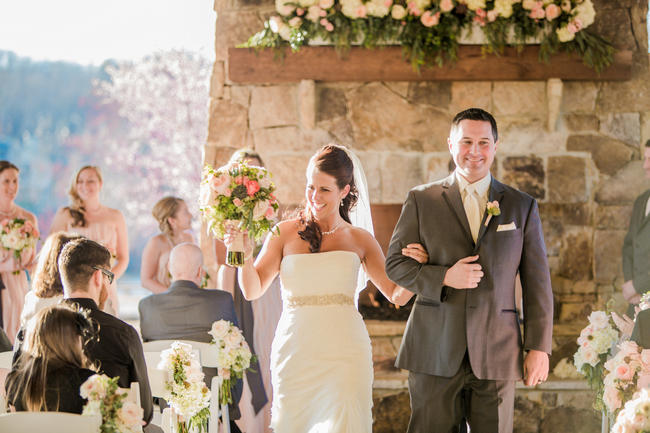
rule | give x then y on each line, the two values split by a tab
225	418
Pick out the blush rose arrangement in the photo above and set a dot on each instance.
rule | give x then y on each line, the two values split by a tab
234	356
625	374
107	399
595	345
238	196
18	235
429	30
635	416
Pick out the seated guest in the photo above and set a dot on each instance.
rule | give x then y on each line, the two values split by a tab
52	364
185	311
47	288
641	331
84	267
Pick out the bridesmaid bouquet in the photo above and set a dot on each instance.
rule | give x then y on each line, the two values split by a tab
635	417
626	373
17	235
186	393
106	399
238	196
234	356
594	347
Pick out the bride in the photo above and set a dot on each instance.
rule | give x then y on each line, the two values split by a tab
321	361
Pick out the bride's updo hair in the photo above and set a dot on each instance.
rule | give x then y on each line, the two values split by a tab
77	208
334	161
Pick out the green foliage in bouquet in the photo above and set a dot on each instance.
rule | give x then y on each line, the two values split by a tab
429	30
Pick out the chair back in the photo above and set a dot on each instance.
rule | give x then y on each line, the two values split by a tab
207	352
51	422
5	359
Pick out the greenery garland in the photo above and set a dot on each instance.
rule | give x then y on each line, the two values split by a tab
429	30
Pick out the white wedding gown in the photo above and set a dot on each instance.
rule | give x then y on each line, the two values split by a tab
321	361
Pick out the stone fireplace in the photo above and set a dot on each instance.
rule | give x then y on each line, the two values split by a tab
573	144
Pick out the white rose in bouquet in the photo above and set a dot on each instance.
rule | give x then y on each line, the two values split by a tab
259	211
219	329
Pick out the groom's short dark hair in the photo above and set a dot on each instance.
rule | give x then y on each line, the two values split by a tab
476	114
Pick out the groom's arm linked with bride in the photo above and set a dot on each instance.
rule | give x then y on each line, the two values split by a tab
463	337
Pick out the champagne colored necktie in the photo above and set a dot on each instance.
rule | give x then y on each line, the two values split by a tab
470	203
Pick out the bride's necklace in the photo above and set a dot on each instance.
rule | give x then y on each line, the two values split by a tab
333	229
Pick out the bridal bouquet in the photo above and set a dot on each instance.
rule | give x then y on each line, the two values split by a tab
635	417
105	398
626	373
594	347
234	356
238	196
186	393
17	235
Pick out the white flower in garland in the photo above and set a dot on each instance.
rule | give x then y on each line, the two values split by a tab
284	7
476	4
350	8
378	8
585	12
398	12
503	8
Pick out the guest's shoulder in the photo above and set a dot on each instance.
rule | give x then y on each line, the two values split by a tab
109	321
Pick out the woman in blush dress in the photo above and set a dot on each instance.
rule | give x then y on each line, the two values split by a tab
52	364
174	221
12	270
47	288
321	360
88	217
258	320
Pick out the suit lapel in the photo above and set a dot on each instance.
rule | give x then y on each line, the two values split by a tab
451	194
643	219
495	193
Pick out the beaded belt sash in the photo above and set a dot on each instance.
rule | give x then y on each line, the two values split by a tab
319	300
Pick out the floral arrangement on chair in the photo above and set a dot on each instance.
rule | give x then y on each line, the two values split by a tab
626	373
429	29
594	348
635	416
18	235
187	394
241	196
234	356
105	398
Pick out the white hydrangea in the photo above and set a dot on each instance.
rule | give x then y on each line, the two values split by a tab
585	12
503	8
283	7
564	35
377	8
476	4
349	7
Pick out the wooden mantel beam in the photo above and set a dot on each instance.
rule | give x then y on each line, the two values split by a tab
323	63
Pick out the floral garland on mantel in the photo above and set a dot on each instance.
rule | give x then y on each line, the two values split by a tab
429	30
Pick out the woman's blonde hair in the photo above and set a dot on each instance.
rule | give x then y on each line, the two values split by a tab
52	341
77	207
47	279
163	210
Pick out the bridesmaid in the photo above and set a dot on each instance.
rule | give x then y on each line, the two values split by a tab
258	320
12	270
88	217
174	220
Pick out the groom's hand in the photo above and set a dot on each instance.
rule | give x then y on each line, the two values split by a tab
535	367
464	274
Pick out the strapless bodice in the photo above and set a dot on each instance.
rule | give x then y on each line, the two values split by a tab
318	274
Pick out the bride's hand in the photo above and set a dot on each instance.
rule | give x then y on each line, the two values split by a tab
416	252
232	232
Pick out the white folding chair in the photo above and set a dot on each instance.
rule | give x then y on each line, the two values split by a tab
5	359
51	422
208	358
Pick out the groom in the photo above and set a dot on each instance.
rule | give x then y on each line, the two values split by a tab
463	345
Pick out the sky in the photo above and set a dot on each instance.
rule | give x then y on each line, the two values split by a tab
91	31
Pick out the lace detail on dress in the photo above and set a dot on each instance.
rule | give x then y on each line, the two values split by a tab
319	300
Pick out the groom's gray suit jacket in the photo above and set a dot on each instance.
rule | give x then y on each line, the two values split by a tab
445	323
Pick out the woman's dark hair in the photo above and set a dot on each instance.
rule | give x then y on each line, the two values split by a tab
52	340
334	161
243	154
6	164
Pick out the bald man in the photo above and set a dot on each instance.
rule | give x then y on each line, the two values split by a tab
185	311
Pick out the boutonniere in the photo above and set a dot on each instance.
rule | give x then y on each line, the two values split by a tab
492	209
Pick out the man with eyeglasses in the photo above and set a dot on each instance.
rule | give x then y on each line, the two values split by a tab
84	266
